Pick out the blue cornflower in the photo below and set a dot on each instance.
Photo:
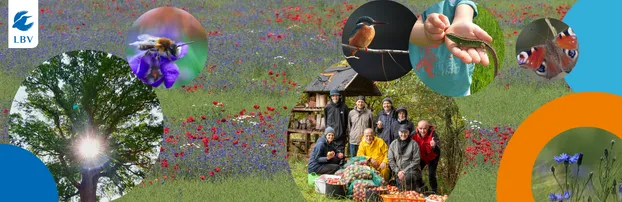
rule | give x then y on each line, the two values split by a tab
620	191
561	158
573	159
552	197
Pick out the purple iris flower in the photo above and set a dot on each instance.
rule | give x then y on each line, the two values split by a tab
147	69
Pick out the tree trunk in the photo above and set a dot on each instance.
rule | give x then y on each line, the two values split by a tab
88	186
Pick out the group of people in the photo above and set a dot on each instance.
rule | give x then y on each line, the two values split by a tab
391	143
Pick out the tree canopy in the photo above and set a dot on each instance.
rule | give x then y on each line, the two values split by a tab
82	91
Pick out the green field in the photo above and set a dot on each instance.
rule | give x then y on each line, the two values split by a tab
508	100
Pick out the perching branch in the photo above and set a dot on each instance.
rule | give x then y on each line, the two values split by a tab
372	50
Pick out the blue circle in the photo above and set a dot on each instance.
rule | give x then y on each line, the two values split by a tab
597	68
25	177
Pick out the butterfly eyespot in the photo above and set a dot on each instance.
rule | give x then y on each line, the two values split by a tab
571	53
542	69
522	57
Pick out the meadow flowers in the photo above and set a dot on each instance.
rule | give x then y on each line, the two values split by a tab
568	187
602	182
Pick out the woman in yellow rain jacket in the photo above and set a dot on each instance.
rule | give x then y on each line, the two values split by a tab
376	151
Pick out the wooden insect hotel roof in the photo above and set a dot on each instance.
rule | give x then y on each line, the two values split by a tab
344	79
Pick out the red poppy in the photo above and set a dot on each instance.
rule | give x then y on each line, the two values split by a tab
256	106
211	173
161	149
202	177
215	103
164	163
215	137
235	142
217	169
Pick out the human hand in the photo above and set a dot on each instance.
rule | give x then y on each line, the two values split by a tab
434	28
432	143
383	165
470	30
400	175
373	161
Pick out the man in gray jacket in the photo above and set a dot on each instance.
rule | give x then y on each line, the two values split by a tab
359	118
404	160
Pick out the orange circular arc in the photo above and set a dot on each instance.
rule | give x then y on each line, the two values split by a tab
590	109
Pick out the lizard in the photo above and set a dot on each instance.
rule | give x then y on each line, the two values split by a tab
475	43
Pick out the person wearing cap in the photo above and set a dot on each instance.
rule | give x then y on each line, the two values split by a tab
430	150
385	119
401	119
336	117
325	159
375	150
404	161
360	118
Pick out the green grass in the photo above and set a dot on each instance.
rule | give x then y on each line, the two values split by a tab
478	184
484	75
251	188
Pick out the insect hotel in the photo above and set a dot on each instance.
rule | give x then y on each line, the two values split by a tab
307	122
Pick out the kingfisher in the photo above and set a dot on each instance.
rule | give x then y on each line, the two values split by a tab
363	33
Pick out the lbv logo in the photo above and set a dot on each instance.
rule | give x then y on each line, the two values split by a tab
23	23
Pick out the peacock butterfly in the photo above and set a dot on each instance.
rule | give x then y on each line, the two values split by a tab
554	57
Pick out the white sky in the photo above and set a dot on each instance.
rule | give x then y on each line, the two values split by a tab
21	97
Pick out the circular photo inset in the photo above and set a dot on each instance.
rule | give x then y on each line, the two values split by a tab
578	164
94	125
167	46
455	48
547	47
375	39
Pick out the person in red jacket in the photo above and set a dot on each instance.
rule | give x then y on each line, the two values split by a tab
430	151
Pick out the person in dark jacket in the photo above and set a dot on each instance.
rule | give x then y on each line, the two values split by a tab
325	159
385	120
430	151
401	120
336	115
404	161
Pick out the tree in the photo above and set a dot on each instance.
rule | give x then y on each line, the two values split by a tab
88	91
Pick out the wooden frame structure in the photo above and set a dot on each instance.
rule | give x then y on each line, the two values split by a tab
342	78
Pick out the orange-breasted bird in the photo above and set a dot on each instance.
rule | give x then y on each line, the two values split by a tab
363	33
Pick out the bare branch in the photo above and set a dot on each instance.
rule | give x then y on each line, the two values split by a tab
373	50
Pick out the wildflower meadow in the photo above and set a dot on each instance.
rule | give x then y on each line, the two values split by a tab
224	131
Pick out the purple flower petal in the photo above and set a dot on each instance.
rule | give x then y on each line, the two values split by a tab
157	83
135	63
171	72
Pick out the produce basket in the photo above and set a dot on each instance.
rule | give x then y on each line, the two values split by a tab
320	183
398	198
436	198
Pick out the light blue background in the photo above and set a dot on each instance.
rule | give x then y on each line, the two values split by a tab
24	176
597	28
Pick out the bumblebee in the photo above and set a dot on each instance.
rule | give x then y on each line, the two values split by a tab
159	45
